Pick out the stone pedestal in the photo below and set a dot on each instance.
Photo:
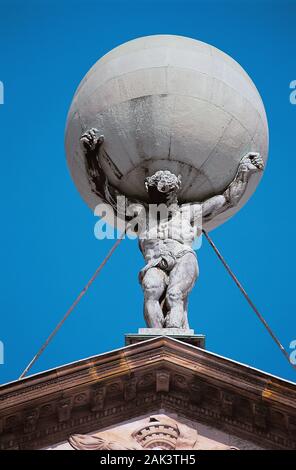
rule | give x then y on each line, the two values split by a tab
187	336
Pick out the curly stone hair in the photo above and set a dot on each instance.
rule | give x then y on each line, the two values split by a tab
165	176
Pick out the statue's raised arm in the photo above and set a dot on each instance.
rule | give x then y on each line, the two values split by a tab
91	141
251	163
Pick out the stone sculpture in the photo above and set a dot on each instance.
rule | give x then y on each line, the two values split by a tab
166	235
157	432
173	122
172	103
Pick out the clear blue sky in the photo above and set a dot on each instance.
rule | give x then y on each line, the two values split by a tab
48	250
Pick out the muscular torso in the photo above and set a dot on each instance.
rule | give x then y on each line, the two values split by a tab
173	235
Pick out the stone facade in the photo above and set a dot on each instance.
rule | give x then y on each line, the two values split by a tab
224	403
186	435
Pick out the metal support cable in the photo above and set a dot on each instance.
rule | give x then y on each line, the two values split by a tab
107	257
76	301
250	302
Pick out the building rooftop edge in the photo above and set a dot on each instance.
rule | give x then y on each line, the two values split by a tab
165	339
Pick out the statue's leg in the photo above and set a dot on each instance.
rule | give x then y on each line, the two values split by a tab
154	285
181	281
185	318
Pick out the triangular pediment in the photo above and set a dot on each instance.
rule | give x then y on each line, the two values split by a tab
139	380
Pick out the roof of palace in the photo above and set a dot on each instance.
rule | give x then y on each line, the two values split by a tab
160	373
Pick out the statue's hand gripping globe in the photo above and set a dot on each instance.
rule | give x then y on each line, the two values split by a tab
168	103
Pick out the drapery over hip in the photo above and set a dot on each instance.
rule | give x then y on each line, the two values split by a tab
165	261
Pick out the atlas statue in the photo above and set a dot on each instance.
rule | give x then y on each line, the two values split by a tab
166	236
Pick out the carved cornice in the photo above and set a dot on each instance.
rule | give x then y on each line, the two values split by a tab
160	373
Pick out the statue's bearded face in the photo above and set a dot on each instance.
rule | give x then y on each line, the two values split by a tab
162	184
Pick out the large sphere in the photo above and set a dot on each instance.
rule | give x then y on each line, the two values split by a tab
168	102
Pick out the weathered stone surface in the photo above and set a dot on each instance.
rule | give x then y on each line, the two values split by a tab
166	235
168	102
166	331
158	375
173	140
171	264
185	335
159	431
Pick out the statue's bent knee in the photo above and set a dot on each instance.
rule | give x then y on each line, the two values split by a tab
174	295
152	286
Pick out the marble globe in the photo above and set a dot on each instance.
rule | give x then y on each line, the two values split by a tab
168	103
